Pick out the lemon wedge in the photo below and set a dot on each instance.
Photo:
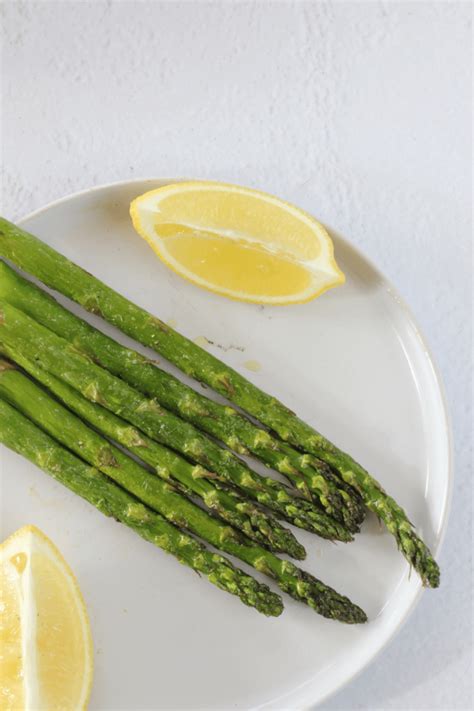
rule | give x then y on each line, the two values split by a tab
45	639
241	243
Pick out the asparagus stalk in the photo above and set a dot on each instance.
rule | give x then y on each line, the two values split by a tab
310	476
20	334
55	270
228	505
161	496
23	437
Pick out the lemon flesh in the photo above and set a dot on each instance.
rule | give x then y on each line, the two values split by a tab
238	242
45	640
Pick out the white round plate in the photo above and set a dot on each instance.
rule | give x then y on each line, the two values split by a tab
352	363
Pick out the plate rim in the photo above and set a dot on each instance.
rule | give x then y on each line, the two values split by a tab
437	380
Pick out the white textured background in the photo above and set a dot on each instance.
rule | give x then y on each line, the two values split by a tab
358	111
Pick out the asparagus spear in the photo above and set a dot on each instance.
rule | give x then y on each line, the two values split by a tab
228	505
20	334
309	475
23	437
55	270
161	496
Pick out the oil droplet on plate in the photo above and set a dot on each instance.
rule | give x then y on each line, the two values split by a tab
252	365
201	341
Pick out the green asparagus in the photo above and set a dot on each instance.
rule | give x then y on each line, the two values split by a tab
20	333
23	437
228	505
55	270
224	423
161	496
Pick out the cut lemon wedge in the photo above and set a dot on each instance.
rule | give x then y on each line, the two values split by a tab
238	242
45	639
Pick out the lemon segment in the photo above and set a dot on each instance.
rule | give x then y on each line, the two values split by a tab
45	639
238	242
11	667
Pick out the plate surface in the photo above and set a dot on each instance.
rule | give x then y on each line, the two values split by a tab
352	363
